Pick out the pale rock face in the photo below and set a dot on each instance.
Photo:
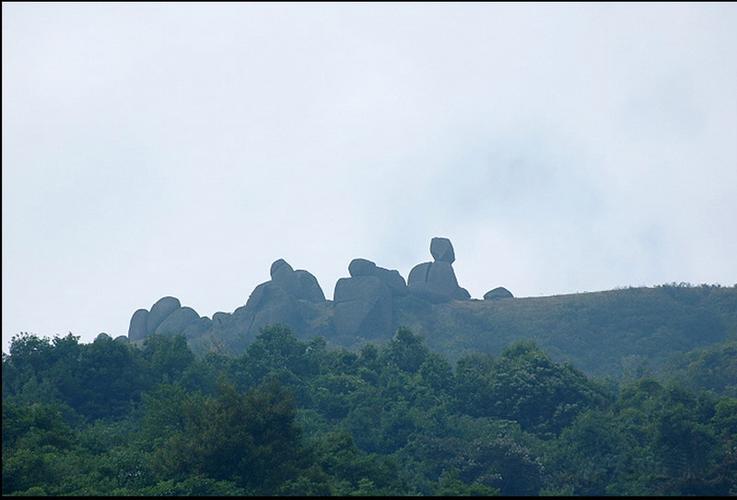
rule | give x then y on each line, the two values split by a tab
137	329
176	322
159	311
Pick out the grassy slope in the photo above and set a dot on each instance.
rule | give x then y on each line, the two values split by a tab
603	333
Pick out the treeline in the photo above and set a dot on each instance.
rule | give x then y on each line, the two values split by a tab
297	418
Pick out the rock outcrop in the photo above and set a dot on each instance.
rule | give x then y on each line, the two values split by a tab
498	294
436	281
177	321
363	302
137	329
159	311
288	298
166	317
370	304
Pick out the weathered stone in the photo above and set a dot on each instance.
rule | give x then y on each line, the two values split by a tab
220	317
498	294
256	297
436	281
441	279
304	286
137	329
280	268
299	284
418	275
363	307
442	250
177	321
159	311
392	279
276	307
197	329
361	267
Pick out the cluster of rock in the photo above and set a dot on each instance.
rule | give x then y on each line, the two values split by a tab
287	299
364	305
167	317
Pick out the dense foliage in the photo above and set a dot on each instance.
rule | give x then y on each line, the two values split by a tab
291	417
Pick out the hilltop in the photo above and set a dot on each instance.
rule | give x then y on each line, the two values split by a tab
610	333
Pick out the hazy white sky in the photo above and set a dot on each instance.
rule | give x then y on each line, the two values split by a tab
179	149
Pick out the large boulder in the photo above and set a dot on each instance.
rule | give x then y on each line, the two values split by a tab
280	269
276	306
498	294
176	322
159	311
361	267
442	250
391	278
197	328
436	281
257	297
363	307
279	300
304	286
418	275
137	329
441	279
299	284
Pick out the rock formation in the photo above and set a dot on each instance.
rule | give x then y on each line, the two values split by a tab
498	293
166	317
436	281
287	298
363	302
369	304
159	311
137	329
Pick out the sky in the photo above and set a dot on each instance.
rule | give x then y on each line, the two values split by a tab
179	149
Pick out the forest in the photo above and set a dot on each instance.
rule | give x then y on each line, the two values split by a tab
294	417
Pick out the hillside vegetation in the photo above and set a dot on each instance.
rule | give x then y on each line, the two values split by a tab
615	333
294	417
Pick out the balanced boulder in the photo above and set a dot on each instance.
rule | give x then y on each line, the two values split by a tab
441	250
391	278
436	281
